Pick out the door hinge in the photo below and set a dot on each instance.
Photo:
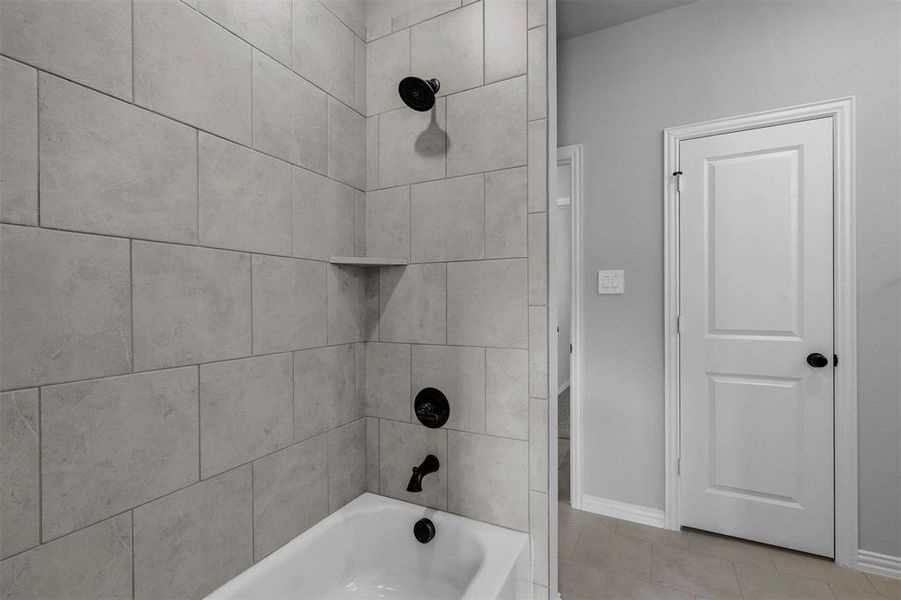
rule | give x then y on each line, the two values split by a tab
678	324
570	348
678	176
679	466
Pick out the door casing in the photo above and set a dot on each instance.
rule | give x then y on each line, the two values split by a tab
572	156
844	292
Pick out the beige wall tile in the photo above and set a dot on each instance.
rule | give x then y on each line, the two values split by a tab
189	543
19	151
245	198
538	369
346	149
95	562
486	128
372	455
459	373
538	200
290	115
506	204
290	494
488	479
538	529
505	39
191	305
387	62
65	308
324	395
388	222
537	13
449	48
537	73
20	522
403	446
487	303
387	381
507	392
412	145
108	167
346	463
324	49
246	410
372	153
88	41
189	68
111	444
351	307
264	23
448	219
359	76
538	259
323	217
412	304
538	445
288	304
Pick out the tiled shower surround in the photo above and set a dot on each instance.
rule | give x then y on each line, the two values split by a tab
187	383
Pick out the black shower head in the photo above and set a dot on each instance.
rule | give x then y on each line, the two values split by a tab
417	93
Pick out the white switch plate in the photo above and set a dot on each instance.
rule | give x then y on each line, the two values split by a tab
611	282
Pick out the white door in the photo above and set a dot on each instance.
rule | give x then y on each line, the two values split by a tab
755	301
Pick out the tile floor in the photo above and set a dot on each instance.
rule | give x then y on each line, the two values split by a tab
563	446
608	559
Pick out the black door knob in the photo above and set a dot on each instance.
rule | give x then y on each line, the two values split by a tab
817	360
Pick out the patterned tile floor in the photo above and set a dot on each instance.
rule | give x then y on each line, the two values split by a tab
608	559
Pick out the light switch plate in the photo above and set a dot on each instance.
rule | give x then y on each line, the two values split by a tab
611	282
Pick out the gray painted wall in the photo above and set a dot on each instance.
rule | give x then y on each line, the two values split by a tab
618	89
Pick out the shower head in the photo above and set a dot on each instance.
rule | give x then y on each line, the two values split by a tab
418	94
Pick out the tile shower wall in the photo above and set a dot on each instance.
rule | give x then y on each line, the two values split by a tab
462	192
178	362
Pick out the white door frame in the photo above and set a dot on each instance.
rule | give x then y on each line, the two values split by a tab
845	294
572	156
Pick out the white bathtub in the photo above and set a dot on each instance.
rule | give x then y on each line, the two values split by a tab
367	550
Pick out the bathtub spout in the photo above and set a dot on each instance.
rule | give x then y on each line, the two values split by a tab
429	465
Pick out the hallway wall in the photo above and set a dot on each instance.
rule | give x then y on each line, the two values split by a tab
618	89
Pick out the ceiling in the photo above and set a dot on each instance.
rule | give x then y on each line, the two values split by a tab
577	17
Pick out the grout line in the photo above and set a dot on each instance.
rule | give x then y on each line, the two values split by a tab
40	468
131	299
253	533
293	397
132	23
199	430
251	93
37	116
197	181
250	273
169	243
132	554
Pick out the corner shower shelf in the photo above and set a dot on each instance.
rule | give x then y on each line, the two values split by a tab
369	261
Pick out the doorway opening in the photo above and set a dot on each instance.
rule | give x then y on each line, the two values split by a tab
566	257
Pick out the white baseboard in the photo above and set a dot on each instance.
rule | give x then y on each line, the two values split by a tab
623	510
879	564
562	388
